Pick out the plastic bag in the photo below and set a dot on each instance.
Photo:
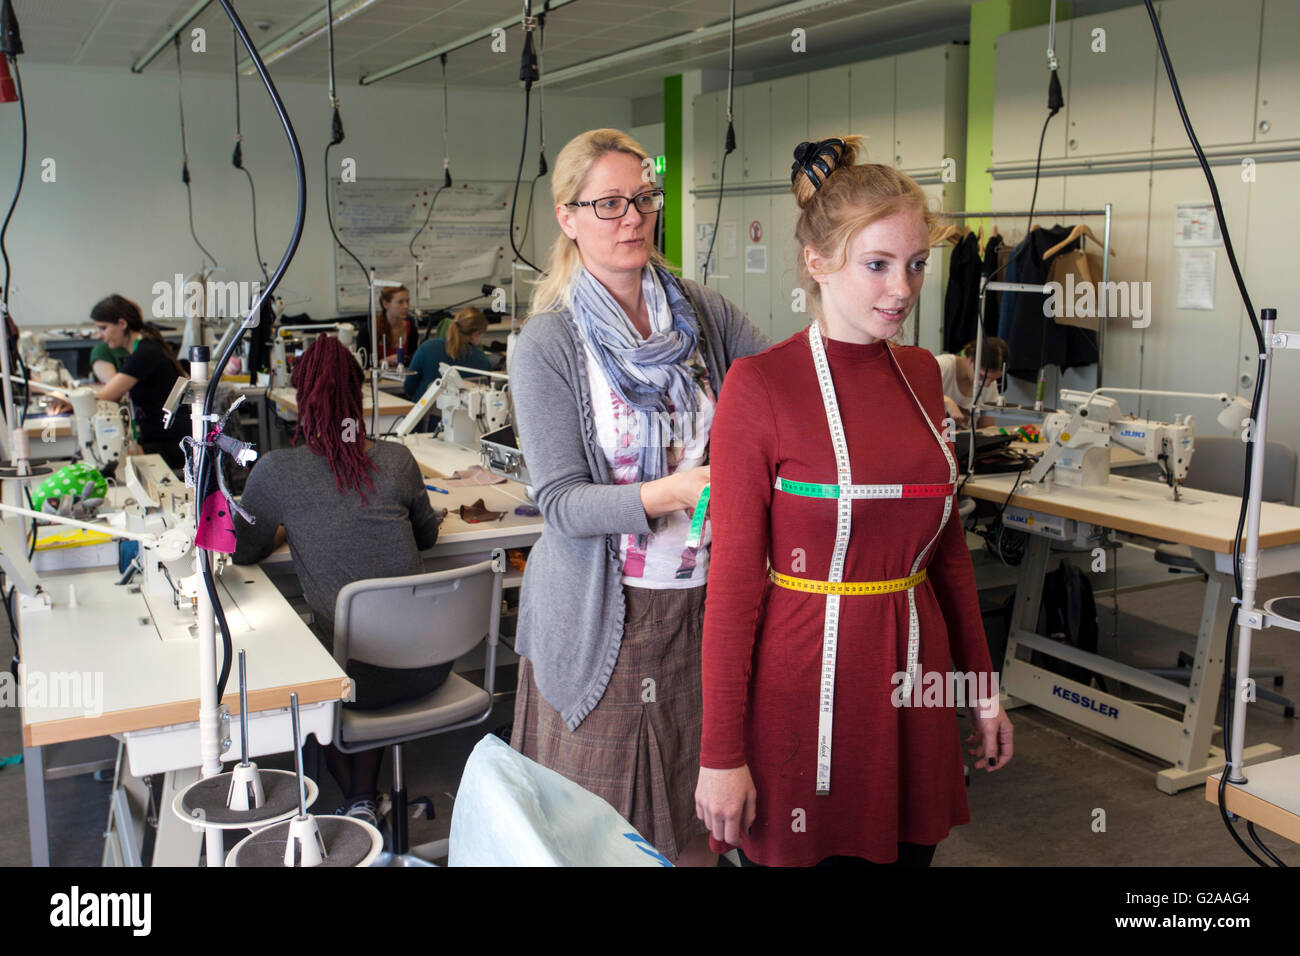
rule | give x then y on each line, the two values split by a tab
512	811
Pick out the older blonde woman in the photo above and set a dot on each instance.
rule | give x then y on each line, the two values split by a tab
614	379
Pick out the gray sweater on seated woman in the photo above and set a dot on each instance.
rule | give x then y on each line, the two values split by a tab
571	607
334	538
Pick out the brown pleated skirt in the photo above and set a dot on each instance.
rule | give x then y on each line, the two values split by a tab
639	749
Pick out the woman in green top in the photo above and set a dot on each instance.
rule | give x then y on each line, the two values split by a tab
147	375
460	347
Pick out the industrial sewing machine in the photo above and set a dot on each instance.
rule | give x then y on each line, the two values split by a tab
41	366
470	407
161	520
102	428
288	341
1081	433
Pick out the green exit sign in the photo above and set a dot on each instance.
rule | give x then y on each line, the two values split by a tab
661	164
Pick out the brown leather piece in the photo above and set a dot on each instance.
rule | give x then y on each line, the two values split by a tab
478	511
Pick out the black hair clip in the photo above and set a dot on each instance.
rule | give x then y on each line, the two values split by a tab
809	157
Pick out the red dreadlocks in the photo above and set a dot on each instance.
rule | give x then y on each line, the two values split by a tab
328	381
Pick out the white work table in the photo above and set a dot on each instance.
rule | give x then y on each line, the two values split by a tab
146	655
1204	521
1270	796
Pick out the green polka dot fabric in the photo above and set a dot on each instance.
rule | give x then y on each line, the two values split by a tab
70	480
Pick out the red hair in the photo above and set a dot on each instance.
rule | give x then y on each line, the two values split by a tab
328	380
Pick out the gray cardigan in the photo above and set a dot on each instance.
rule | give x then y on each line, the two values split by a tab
571	606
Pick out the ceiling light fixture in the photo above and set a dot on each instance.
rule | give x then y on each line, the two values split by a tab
302	33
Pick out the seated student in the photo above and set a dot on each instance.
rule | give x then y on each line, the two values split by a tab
351	509
958	374
394	324
460	347
148	373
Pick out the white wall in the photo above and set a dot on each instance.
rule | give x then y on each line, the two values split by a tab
114	220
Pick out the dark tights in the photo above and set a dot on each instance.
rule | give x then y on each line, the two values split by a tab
910	856
357	774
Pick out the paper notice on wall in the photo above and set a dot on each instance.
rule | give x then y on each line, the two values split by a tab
1196	279
1195	224
756	258
727	240
703	240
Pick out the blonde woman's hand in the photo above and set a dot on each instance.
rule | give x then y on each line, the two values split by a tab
727	803
677	492
690	484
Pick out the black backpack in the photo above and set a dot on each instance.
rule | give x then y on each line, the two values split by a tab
1067	614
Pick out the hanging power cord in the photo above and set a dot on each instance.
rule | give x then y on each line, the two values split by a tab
529	73
11	45
1254	412
446	166
1055	102
185	152
237	159
542	168
208	453
336	137
729	145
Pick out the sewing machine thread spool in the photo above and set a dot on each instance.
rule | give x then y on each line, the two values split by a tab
305	845
246	791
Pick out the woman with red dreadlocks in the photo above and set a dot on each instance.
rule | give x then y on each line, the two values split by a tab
351	509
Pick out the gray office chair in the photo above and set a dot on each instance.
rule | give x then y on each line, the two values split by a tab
1217	465
420	620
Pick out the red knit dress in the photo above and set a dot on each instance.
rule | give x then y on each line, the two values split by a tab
896	772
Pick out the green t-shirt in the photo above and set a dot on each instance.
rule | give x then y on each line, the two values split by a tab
102	353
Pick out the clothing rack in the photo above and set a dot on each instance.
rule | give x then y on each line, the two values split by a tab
976	405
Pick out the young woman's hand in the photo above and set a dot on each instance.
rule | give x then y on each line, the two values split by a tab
992	736
726	801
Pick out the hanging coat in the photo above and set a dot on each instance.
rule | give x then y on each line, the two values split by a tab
1035	339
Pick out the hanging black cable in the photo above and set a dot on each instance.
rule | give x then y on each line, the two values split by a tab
729	144
204	464
336	137
1254	412
542	168
237	159
528	75
446	166
185	152
11	44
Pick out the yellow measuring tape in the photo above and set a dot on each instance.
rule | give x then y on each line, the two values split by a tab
845	587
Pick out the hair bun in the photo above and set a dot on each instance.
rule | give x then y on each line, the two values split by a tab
814	163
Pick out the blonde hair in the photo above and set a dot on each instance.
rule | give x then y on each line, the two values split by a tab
468	323
555	288
844	201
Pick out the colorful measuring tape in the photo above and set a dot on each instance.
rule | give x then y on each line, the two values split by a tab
843	492
697	520
845	587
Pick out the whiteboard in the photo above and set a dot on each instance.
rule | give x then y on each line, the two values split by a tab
465	241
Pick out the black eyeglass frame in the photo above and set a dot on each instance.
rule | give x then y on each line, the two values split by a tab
627	204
